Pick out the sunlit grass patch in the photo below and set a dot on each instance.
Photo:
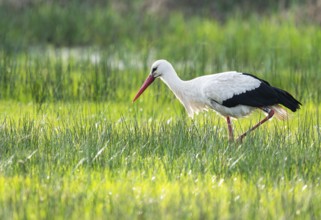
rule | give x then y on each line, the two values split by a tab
140	194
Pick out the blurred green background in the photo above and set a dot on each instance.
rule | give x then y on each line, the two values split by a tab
130	23
90	50
26	23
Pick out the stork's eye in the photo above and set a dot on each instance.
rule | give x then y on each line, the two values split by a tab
154	69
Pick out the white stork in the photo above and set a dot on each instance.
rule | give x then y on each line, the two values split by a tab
232	94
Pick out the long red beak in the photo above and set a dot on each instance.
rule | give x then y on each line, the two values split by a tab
150	79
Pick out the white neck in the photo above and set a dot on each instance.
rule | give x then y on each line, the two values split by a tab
173	81
188	92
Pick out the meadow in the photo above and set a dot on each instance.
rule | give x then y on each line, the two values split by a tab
74	146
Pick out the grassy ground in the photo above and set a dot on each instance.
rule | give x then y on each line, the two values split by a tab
72	145
87	160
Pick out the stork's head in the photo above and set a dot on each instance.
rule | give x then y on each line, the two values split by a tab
160	68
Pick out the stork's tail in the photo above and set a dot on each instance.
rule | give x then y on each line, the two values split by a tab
279	112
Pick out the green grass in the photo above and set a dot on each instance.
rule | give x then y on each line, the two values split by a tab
87	160
74	146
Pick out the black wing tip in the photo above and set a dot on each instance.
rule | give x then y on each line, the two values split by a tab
297	106
288	100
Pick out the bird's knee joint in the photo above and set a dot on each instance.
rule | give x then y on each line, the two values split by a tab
271	113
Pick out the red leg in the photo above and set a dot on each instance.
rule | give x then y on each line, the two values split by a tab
230	129
270	115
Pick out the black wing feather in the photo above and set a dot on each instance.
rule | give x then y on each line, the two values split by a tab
264	95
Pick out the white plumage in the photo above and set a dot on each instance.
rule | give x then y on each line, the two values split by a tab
232	94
